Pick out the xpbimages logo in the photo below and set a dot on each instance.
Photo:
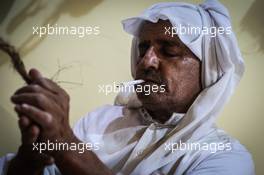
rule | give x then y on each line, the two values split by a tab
190	30
147	89
61	146
197	146
79	31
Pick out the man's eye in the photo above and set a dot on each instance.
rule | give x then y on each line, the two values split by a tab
170	53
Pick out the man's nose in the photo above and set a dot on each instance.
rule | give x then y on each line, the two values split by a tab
150	59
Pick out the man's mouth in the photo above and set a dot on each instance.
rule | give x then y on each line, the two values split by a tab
150	81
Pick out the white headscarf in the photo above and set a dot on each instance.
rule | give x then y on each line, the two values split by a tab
222	68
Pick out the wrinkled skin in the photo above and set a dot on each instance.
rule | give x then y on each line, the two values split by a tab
166	60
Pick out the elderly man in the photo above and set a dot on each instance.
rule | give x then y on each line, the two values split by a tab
164	132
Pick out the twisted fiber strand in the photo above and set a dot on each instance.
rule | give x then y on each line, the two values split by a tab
16	60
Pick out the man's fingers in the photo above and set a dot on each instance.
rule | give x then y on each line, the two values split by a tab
37	159
35	88
42	118
33	134
44	82
24	123
32	88
48	84
46	159
38	100
30	135
29	131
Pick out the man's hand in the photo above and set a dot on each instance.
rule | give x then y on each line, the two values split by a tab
26	160
46	104
30	133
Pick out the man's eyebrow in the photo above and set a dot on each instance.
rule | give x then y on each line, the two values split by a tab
165	42
168	42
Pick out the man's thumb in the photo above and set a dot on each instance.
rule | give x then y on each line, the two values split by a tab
34	74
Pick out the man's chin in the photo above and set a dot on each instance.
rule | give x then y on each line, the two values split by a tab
149	99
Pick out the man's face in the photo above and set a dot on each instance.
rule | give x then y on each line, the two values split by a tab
165	60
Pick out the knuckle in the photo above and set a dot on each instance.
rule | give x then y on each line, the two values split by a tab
40	98
35	88
40	81
48	119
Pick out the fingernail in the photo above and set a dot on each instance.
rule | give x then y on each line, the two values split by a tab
24	105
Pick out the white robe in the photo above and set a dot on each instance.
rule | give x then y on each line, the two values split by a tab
113	128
